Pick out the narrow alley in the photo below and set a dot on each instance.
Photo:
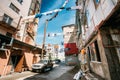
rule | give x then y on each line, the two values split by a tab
59	72
60	40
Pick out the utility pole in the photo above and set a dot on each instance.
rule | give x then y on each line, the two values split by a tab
43	44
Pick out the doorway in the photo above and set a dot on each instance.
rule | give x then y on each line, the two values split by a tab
15	60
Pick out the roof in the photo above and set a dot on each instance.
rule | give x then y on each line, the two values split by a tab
70	25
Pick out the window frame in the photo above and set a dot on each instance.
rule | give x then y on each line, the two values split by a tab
9	34
94	52
96	3
20	1
7	19
14	8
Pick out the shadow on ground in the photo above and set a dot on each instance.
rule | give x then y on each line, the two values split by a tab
47	75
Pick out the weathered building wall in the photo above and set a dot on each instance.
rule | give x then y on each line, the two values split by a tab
4	30
5	67
95	60
110	57
101	37
29	59
29	53
69	34
97	68
19	55
115	34
96	15
23	9
71	60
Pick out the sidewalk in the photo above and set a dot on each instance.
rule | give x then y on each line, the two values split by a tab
20	76
15	76
69	75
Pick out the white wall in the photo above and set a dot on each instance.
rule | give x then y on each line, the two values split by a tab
70	33
24	7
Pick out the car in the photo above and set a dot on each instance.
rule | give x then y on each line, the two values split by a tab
57	61
42	66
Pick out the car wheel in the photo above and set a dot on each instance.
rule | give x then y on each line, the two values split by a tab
32	71
38	71
43	70
51	68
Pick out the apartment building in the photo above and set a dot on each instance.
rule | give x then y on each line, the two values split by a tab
51	51
98	26
71	50
17	45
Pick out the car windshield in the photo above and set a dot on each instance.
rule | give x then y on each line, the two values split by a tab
43	61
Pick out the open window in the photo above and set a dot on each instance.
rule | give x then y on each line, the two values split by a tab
94	52
96	2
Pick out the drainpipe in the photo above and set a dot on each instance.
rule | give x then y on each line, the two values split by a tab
17	26
19	22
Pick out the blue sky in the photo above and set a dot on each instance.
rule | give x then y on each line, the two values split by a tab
55	26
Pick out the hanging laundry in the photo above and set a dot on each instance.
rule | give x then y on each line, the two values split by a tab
52	11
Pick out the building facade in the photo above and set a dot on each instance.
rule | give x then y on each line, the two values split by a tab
17	54
51	51
98	26
70	48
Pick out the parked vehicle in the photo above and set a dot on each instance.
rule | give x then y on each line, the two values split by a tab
42	66
57	61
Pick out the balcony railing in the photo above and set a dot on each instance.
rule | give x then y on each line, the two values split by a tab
12	24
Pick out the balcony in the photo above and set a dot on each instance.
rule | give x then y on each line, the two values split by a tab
11	25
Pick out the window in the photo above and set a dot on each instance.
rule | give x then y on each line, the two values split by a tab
97	51
96	2
8	34
94	52
20	1
7	19
88	18
34	7
13	7
66	49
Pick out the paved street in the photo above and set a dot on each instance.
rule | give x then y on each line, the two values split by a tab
60	72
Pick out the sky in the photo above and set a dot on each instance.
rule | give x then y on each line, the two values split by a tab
55	26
